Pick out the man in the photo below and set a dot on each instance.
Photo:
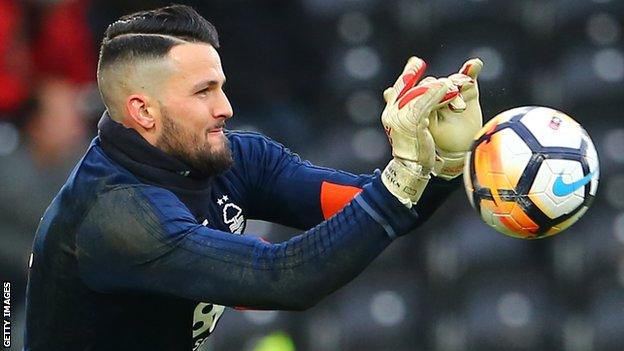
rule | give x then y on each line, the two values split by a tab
140	249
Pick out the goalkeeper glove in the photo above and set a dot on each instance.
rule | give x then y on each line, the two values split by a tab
454	124
406	120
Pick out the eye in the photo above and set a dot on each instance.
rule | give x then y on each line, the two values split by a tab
203	91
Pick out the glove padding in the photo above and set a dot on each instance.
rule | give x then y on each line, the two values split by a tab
406	121
454	124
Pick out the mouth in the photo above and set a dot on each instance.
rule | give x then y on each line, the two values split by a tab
215	133
217	129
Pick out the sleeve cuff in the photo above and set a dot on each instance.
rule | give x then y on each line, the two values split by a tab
386	209
395	217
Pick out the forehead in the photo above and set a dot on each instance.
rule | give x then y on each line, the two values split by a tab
196	61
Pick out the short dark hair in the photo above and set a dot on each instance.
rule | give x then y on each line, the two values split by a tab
152	33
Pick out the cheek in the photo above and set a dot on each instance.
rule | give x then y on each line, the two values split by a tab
192	116
197	114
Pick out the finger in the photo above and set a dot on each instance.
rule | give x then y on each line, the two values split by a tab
467	91
461	79
433	120
414	63
452	92
453	96
449	93
457	104
388	94
463	82
425	94
413	70
428	79
472	68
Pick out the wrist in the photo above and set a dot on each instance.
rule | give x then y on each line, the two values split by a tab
449	164
404	180
386	208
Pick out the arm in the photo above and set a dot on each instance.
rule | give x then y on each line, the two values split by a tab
284	189
300	194
144	239
289	191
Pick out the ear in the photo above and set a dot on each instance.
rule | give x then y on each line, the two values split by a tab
137	106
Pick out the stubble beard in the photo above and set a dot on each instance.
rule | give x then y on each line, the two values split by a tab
189	149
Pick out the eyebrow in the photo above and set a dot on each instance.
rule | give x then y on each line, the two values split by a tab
206	83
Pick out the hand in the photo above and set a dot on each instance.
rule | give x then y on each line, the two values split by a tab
454	124
406	120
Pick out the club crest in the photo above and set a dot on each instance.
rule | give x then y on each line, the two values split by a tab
232	215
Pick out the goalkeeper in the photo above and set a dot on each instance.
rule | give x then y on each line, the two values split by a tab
142	247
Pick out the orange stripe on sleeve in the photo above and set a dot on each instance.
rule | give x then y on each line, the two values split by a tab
335	196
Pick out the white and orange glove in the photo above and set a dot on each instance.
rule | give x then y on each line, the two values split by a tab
406	122
454	124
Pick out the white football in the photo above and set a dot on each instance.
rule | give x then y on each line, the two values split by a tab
532	172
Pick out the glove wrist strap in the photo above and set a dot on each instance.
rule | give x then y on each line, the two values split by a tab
405	181
448	165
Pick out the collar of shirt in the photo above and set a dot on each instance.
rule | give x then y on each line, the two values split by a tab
150	164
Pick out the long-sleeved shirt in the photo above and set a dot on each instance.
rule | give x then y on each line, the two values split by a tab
140	251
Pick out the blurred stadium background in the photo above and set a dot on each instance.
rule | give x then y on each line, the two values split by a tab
309	73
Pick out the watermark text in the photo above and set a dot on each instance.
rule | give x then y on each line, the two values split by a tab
6	314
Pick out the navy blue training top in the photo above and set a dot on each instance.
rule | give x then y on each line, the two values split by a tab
138	251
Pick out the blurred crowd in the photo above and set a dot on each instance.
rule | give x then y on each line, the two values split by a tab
309	73
47	60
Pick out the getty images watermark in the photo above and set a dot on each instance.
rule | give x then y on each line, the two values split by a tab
6	314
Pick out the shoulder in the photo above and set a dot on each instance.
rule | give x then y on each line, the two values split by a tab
255	146
248	139
134	218
97	169
143	198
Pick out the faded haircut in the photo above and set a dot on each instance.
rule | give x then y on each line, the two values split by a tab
150	35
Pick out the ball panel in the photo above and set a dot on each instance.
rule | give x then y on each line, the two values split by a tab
495	220
508	217
496	166
499	181
514	143
552	128
553	209
568	222
498	207
546	195
485	162
569	172
514	157
552	231
510	227
525	224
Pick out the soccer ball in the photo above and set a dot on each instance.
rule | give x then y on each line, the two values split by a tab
532	172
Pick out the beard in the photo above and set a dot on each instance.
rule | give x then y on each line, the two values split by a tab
192	150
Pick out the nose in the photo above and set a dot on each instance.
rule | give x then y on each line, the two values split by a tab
222	107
